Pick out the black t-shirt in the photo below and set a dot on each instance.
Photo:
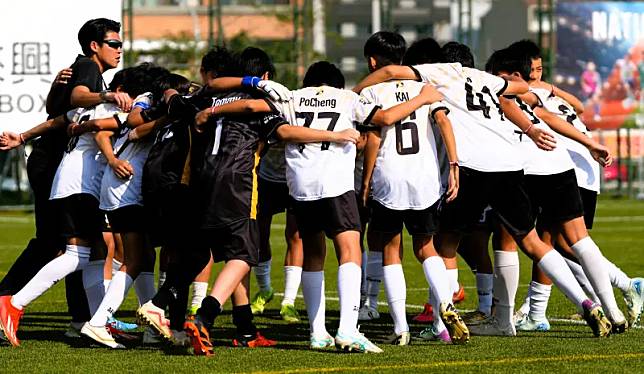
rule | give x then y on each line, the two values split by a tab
227	182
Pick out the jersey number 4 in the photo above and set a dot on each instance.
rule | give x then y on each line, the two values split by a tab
482	105
309	117
402	143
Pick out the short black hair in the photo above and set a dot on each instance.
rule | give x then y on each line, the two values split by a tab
254	61
508	61
527	47
118	79
386	47
323	73
95	30
458	52
168	81
220	62
423	51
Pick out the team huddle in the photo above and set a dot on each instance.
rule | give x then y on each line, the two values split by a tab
426	141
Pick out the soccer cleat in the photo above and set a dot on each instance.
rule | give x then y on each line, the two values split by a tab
260	300
154	316
321	342
596	319
193	310
426	316
151	336
74	330
199	336
395	339
459	295
116	333
458	331
492	327
529	324
430	334
634	299
355	343
253	341
9	319
289	313
474	318
367	313
122	326
619	327
100	335
181	338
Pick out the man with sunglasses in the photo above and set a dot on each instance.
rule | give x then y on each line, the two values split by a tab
102	49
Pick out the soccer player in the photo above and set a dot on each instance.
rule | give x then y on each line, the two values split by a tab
411	199
491	174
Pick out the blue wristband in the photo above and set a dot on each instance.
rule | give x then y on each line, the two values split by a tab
250	81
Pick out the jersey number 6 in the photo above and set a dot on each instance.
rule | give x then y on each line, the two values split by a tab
413	136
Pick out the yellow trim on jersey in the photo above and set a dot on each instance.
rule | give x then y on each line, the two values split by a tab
187	165
254	193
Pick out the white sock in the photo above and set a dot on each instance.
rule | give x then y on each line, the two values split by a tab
162	275
106	284
617	277
119	286
116	266
594	264
540	294
363	282
578	271
439	326
93	284
554	265
396	292
74	258
144	287
199	291
313	292
506	282
525	307
349	275
452	275
484	286
292	279
374	278
436	276
263	275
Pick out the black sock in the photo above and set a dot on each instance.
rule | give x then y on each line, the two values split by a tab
164	297
210	309
243	320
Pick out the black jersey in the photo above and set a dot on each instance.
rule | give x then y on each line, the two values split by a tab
227	184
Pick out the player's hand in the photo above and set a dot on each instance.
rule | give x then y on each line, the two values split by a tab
347	136
453	183
542	138
122	169
63	76
202	117
121	99
430	94
601	154
364	196
275	90
9	140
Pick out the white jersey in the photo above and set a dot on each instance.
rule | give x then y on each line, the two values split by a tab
538	161
82	165
116	192
319	170
407	172
587	169
484	137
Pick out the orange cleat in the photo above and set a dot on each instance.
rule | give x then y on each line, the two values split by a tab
459	295
199	336
426	316
251	341
10	319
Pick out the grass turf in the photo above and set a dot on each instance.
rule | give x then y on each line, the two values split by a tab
619	231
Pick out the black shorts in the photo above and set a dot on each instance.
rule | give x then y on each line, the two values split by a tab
364	212
273	197
332	215
236	241
554	198
79	216
417	222
503	191
131	218
589	201
173	217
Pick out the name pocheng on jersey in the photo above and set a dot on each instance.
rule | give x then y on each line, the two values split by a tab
82	165
484	137
319	170
406	174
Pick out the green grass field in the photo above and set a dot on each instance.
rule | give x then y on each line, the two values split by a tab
569	346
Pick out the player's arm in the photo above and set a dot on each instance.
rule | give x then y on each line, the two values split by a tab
121	168
599	152
10	140
82	97
514	85
92	125
541	138
275	90
569	98
236	107
369	163
384	74
146	129
428	96
445	127
299	134
61	79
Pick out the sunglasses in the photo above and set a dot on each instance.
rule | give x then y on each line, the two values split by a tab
116	44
